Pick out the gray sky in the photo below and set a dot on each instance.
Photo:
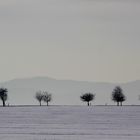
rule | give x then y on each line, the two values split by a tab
92	40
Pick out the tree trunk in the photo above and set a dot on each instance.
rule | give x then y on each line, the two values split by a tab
47	104
88	103
117	103
3	103
121	103
40	103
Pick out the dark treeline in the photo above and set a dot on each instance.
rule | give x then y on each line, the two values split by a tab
44	96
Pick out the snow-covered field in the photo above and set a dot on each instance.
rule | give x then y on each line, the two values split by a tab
70	123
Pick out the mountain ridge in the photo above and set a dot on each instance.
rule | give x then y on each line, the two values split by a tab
66	92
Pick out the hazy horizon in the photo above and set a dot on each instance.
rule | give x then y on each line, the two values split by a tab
65	79
80	40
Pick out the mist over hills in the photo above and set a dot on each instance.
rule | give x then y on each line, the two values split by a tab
67	92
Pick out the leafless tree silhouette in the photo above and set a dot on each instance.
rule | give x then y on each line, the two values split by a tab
118	96
3	95
47	97
87	97
39	96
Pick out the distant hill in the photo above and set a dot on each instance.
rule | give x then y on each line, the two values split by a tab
66	92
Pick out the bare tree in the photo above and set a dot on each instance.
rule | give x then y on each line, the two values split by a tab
39	96
122	99
87	97
47	97
118	96
3	95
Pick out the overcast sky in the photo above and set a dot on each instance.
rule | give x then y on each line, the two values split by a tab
92	40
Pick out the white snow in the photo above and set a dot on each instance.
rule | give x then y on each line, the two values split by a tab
70	123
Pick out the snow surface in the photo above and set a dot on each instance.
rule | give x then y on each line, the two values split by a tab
70	123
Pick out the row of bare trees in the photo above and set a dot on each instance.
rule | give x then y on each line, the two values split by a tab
117	96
